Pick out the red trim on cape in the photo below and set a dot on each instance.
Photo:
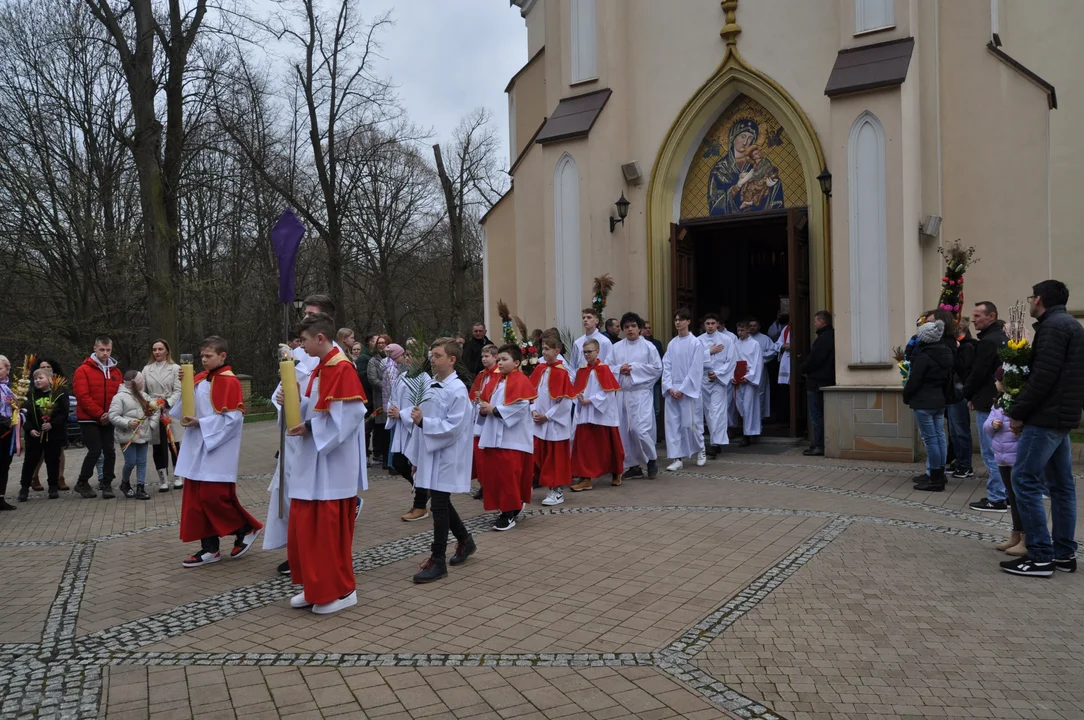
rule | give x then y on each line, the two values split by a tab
338	381
605	377
226	392
492	377
562	388
517	386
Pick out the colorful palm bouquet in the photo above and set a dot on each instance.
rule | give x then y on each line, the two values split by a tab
957	260
604	284
509	324
1015	357
149	410
902	363
416	378
20	388
57	387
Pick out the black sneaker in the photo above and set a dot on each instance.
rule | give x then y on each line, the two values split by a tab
1066	565
985	505
107	492
505	521
633	472
201	558
813	452
652	469
477	494
1027	566
24	494
126	490
53	494
465	550
963	473
920	478
432	569
284	568
84	490
141	493
5	505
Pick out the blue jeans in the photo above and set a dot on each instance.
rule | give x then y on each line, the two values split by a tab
995	488
931	424
959	424
1044	461
816	416
135	457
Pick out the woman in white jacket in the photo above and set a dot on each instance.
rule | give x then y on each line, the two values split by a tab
164	387
134	416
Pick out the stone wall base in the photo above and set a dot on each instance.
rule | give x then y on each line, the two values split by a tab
869	423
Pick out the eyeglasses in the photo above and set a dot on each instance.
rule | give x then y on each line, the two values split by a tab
1031	298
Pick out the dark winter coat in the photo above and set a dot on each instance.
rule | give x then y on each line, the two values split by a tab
1054	392
979	384
472	354
820	367
58	418
929	384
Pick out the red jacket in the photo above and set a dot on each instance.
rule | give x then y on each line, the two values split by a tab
93	390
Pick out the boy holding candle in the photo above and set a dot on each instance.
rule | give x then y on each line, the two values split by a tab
208	460
329	471
440	449
276	528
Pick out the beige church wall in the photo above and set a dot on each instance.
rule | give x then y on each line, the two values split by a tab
536	26
995	131
1045	37
888	107
529	93
499	279
534	235
903	15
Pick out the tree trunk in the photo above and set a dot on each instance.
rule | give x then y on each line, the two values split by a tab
455	233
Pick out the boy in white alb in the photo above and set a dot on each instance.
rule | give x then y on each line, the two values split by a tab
767	352
591	321
720	356
440	448
208	461
682	376
399	408
482	389
551	413
596	442
748	374
330	471
636	364
276	529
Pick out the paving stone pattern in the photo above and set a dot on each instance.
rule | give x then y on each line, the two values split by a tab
755	587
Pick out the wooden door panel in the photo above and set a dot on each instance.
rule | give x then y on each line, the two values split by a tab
683	270
801	319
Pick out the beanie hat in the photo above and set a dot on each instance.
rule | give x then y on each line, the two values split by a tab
394	351
931	332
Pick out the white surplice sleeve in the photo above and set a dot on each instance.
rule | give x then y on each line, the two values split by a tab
444	431
515	413
221	427
338	425
690	384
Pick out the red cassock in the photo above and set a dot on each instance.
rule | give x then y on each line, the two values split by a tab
211	509
506	474
319	548
597	449
482	389
553	458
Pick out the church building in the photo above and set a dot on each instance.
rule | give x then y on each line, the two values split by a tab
764	156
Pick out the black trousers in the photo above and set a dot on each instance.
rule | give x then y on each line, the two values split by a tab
1010	497
5	461
445	518
401	466
98	440
34	451
162	452
380	441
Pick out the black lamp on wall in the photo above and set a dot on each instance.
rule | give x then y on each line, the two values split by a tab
825	179
622	212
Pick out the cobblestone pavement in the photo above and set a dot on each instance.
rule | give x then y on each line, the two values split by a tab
759	586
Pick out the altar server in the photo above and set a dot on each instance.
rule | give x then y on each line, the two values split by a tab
440	448
208	461
682	376
748	375
716	393
551	414
276	529
591	320
767	352
782	348
482	388
329	473
596	443
636	364
507	440
400	405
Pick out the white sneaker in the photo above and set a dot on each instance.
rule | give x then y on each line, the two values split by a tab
299	601
336	605
163	481
178	482
701	458
556	497
675	466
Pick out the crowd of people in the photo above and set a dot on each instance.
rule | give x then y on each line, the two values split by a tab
1025	443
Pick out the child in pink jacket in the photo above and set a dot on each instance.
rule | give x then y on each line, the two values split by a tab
1004	443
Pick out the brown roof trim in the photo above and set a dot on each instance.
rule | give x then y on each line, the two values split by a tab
523	69
870	67
482	220
528	146
994	46
574	116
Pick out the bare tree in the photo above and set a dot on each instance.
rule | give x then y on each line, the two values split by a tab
469	180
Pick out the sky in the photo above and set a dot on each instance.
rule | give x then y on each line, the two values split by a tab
446	57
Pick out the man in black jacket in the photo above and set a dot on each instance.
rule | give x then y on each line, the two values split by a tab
1047	408
980	393
819	370
472	351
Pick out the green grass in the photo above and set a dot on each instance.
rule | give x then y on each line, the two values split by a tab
260	417
1077	436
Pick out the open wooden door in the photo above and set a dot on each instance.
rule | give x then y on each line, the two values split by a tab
682	273
801	319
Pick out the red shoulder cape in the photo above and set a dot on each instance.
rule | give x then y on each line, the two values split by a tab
517	386
605	377
338	381
492	377
226	393
559	385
